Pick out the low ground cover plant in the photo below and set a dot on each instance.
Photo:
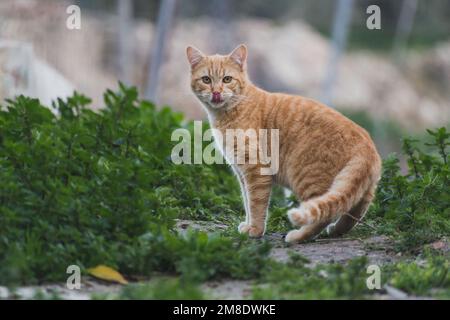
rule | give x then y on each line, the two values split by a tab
88	188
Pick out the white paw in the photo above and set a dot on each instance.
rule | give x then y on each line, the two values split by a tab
292	236
252	231
243	227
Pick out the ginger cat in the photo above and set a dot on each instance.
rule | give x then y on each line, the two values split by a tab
327	160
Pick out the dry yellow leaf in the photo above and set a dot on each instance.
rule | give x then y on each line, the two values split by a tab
108	274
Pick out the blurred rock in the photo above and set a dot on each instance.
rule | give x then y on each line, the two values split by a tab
21	72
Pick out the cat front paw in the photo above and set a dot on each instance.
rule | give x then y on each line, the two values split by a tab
252	231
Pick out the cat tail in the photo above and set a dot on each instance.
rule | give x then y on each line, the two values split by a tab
350	185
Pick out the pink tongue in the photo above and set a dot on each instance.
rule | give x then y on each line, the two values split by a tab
216	97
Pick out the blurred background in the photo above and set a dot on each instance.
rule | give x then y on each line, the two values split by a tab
391	80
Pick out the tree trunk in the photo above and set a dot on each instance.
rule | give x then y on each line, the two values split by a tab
341	24
165	18
125	37
404	26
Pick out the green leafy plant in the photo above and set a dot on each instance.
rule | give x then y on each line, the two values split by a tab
430	276
414	207
295	280
84	187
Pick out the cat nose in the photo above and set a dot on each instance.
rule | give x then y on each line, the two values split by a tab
216	96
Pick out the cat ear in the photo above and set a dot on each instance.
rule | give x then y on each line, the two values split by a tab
239	55
194	56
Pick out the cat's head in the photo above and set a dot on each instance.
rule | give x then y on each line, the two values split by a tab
218	80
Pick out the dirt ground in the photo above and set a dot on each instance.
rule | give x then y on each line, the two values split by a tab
378	249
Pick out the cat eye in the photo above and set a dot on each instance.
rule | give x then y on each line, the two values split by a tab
206	79
227	79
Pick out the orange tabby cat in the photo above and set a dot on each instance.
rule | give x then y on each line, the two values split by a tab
327	160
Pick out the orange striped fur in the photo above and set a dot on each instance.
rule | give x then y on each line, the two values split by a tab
327	160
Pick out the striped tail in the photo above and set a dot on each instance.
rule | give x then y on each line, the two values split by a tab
353	181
